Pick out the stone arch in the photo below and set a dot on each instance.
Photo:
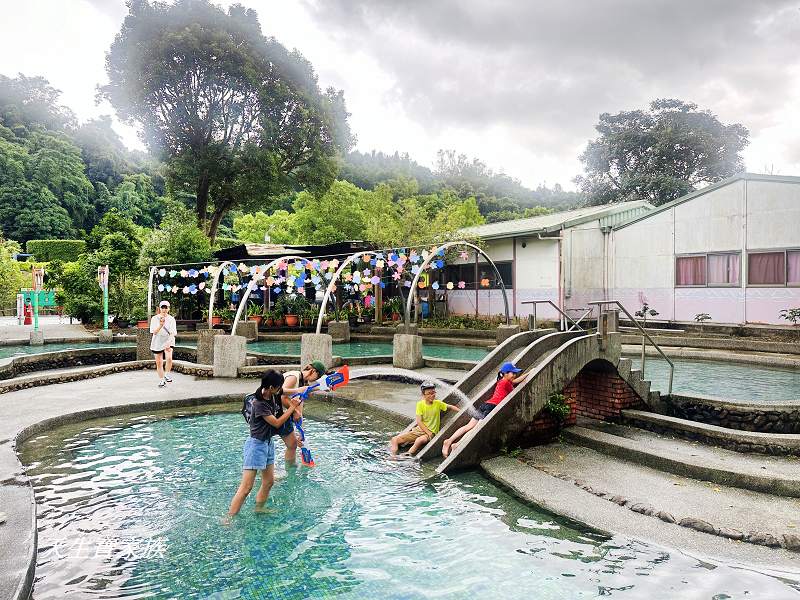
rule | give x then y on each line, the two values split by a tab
434	254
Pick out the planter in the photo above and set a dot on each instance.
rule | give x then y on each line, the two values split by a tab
255	319
216	321
122	323
292	320
279	322
306	322
353	320
270	322
143	324
395	316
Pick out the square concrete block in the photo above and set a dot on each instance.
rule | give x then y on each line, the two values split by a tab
205	345
407	351
506	331
248	330
230	353
105	336
143	339
339	331
316	346
37	338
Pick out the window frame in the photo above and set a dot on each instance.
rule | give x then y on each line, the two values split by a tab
724	285
485	266
785	283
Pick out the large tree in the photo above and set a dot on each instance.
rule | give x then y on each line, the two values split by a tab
659	154
239	118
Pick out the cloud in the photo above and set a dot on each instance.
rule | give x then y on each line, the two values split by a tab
545	70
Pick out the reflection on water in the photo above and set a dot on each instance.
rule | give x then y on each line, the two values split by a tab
133	509
735	381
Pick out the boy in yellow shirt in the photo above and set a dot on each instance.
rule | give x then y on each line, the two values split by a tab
428	412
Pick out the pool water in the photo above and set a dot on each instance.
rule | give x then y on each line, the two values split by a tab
731	381
359	349
12	351
132	509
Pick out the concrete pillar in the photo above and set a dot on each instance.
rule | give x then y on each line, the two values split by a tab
315	346
407	351
339	331
205	345
248	330
37	338
612	320
106	336
412	329
506	331
230	353
143	339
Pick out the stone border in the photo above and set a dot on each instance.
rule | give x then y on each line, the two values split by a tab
781	418
731	344
789	540
764	360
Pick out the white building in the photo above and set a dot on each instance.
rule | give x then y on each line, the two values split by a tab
731	250
559	257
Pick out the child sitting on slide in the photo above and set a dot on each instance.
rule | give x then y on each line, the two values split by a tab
428	413
507	378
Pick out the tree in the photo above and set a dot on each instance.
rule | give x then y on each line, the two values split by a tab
177	240
11	279
103	152
660	154
280	226
238	117
28	211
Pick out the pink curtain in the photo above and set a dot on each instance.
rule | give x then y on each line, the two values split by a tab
723	269
690	270
793	267
766	268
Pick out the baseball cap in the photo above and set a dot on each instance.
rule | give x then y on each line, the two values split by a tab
318	367
163	303
427	385
509	367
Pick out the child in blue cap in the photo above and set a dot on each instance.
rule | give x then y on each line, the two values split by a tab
507	378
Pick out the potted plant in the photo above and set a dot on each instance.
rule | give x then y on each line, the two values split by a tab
353	313
269	318
293	307
394	308
139	315
227	315
279	320
310	315
254	313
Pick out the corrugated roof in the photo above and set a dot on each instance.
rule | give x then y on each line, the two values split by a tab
711	188
612	213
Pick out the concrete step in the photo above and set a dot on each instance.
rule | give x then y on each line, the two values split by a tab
760	473
733	439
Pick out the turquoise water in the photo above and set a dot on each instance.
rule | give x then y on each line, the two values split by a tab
734	381
133	510
372	349
11	351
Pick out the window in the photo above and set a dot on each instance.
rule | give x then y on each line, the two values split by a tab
690	270
723	269
793	267
466	273
766	268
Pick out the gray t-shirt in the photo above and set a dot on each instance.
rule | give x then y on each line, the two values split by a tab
165	338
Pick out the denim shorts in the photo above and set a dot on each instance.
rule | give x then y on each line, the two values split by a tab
257	454
484	410
286	428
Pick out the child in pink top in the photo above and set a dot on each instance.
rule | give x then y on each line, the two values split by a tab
506	379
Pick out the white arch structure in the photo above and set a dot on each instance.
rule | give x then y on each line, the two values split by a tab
214	284
332	285
254	281
434	254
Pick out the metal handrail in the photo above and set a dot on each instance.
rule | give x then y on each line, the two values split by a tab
600	303
565	315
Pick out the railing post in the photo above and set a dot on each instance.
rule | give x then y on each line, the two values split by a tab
535	326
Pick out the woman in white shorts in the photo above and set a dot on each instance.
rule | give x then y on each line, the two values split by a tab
163	328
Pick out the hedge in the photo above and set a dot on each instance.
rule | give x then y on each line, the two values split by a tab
63	250
225	242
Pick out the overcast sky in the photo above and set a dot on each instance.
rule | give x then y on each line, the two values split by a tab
517	84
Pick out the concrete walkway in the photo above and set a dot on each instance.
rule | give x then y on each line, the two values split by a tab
23	409
53	327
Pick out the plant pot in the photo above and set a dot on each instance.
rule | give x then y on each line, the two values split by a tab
122	323
143	324
216	321
353	320
395	316
255	319
270	322
306	322
292	320
279	322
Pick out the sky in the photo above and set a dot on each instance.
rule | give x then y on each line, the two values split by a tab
518	84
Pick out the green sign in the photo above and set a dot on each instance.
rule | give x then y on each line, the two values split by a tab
46	297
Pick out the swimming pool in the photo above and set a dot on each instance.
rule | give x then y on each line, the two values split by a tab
734	381
131	508
353	349
24	350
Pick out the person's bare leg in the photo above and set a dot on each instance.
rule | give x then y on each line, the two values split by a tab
291	449
267	479
248	477
394	446
159	366
168	355
451	441
418	444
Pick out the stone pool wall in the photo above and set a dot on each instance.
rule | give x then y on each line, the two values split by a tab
764	418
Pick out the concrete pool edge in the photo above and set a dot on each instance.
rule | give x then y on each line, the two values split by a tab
749	358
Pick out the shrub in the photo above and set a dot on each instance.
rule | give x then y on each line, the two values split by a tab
221	243
557	406
63	250
791	314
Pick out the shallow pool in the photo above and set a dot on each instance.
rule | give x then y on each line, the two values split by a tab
729	380
371	349
12	351
133	509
